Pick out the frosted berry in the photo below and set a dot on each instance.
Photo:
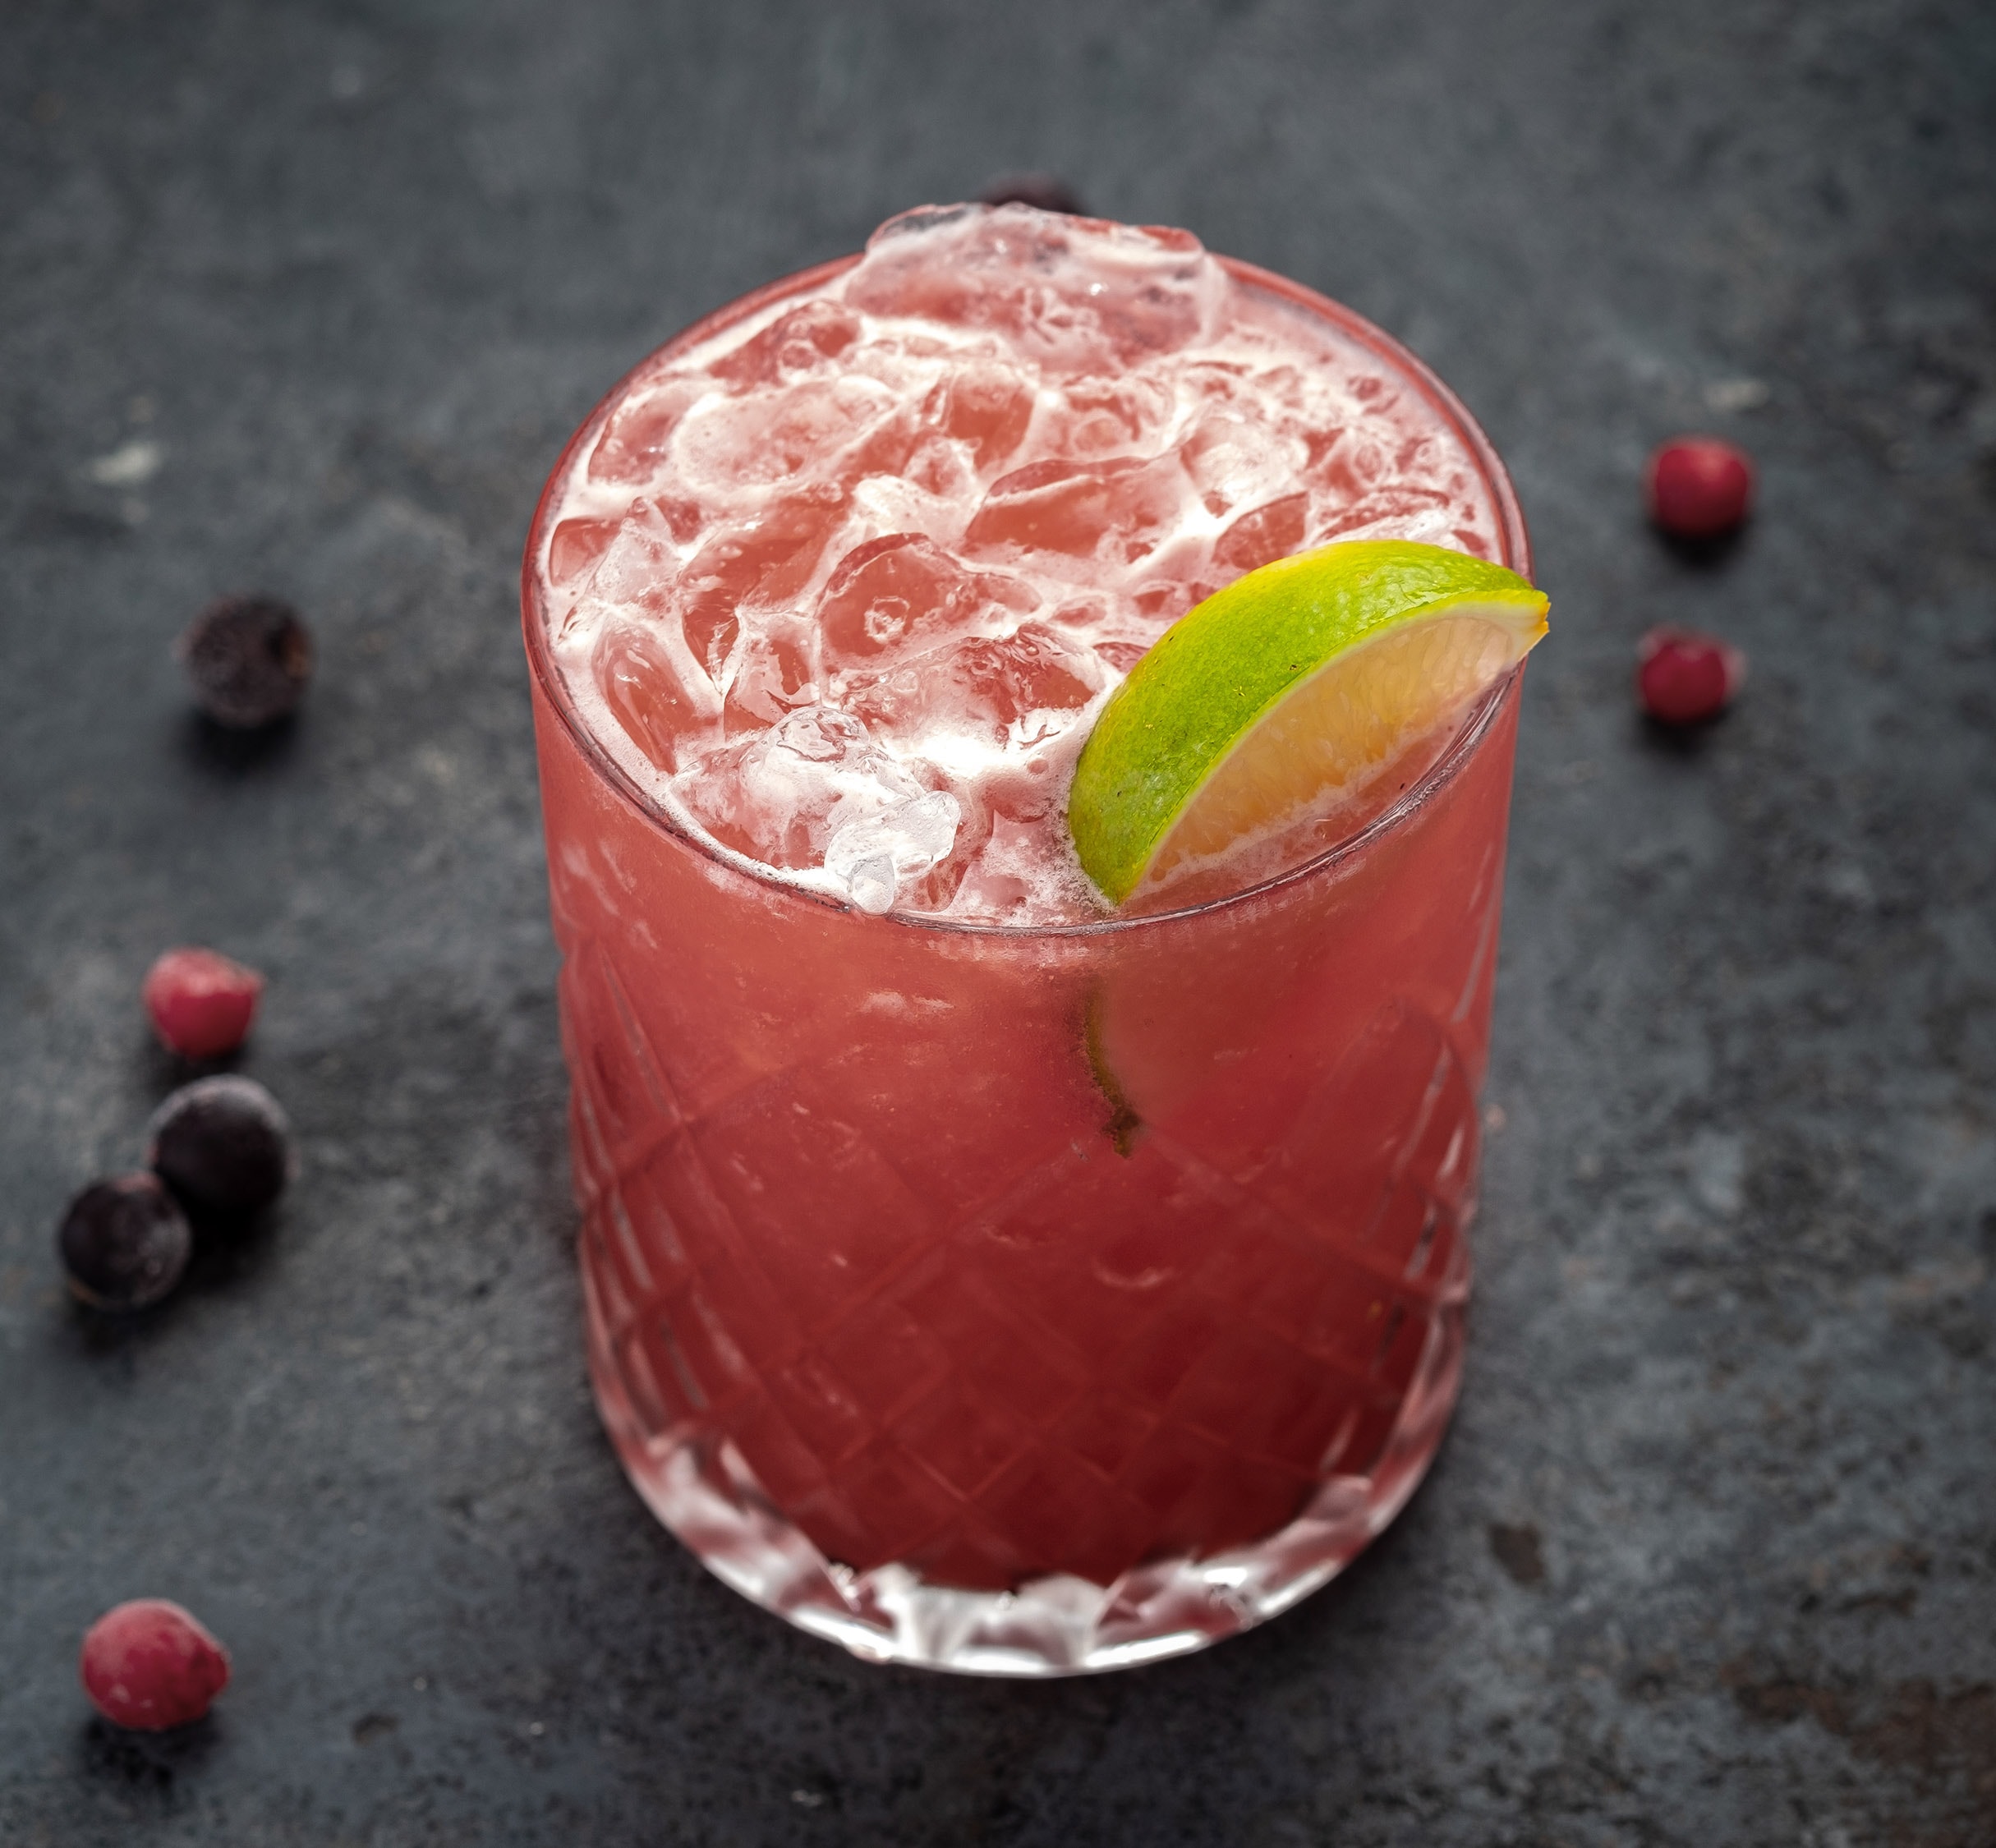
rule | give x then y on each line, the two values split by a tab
1683	677
124	1242
149	1665
1041	190
223	1145
1699	487
249	658
201	1003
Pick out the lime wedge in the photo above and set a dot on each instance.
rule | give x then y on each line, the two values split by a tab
1286	691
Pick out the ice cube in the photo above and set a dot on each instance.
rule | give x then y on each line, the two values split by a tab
776	435
1262	535
892	503
884	449
946	470
1217	381
1238	462
1350	465
803	339
1073	507
658	698
1402	510
954	421
575	546
985	404
903	588
1075	295
1110	416
765	558
871	857
1161	601
635	441
1006	692
785	795
636	569
772	675
1122	655
1272	389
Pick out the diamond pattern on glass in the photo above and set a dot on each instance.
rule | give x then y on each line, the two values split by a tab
937	1392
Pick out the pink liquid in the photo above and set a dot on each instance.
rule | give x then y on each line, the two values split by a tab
996	1245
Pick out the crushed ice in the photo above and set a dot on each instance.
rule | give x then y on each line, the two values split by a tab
953	498
816	791
871	858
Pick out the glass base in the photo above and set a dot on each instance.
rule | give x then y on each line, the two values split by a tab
696	1483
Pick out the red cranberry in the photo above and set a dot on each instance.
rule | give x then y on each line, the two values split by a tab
147	1665
201	1003
1699	487
1683	677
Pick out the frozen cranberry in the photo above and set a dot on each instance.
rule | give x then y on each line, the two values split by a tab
1683	677
249	658
1041	191
124	1242
1699	487
201	1003
147	1665
223	1145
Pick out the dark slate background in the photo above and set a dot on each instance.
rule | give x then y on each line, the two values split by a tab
1708	1556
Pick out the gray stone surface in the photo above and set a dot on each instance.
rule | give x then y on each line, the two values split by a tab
1708	1559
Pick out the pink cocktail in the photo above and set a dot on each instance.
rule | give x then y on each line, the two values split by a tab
976	1275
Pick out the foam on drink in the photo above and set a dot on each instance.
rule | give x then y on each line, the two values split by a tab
843	588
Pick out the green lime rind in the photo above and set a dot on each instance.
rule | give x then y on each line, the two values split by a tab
1208	679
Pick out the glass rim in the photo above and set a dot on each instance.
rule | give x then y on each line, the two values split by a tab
1441	772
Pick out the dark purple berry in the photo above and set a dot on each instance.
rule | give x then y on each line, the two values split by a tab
1041	190
124	1242
249	659
223	1145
